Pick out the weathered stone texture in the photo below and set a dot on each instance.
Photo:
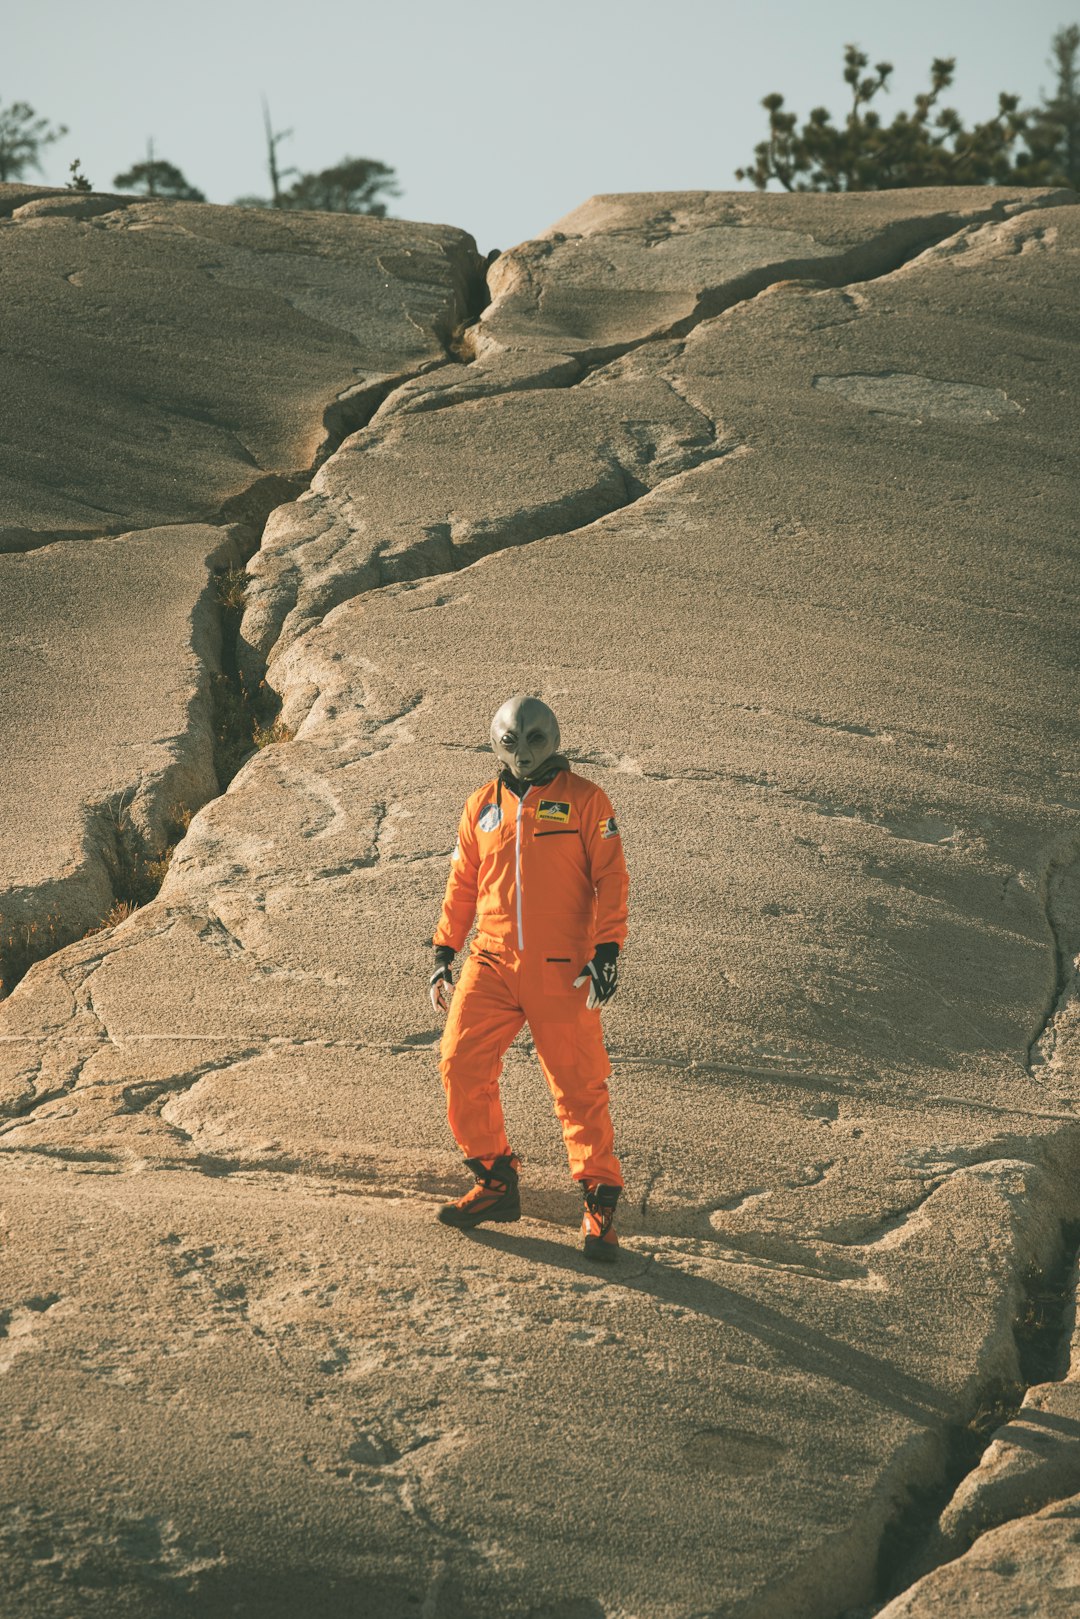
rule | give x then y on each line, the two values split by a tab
106	725
772	500
1031	1567
170	371
161	357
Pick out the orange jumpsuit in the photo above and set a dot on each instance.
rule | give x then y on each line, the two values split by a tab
545	879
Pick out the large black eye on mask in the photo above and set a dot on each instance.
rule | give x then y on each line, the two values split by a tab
524	734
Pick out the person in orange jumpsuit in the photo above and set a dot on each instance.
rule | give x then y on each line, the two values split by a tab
539	866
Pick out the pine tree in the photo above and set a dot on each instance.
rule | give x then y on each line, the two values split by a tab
1052	135
352	186
157	178
22	136
356	185
927	147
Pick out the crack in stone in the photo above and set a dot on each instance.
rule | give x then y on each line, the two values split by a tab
140	1095
938	1526
241	518
438	550
22	1111
435	550
860	265
1061	900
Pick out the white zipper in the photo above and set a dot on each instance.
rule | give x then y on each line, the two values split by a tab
517	865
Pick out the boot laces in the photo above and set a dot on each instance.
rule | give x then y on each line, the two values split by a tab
485	1190
488	1187
600	1216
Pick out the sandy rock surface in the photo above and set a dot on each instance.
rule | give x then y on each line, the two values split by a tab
192	351
771	499
199	360
107	727
1031	1567
1007	1541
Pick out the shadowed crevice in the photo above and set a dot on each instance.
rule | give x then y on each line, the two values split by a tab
913	1544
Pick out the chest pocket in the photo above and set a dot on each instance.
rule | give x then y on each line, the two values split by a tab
556	818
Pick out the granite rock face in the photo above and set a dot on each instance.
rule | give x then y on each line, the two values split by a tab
191	351
1026	1567
1007	1541
172	372
772	499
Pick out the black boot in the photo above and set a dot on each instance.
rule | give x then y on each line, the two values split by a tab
494	1197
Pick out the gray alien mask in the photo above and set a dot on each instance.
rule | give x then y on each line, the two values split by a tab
525	738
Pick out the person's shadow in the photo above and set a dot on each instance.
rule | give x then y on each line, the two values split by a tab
806	1347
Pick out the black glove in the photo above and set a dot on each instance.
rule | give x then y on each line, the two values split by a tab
602	974
442	979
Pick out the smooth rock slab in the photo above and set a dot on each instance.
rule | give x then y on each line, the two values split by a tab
191	351
621	270
624	268
165	363
240	1395
923	398
106	728
827	681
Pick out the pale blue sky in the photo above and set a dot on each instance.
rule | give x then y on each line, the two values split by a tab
499	117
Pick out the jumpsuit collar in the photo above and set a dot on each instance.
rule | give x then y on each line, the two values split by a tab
518	787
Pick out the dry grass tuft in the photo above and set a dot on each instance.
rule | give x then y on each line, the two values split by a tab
232	589
23	943
118	912
265	735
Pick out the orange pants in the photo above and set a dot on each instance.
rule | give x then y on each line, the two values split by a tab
492	1000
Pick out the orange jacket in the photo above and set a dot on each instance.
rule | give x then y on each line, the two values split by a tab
544	875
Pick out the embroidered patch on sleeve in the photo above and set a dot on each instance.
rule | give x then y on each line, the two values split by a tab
456	856
608	827
550	809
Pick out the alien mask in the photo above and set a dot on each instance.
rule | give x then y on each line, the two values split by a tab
524	736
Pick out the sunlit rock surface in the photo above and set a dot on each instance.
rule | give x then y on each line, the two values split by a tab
773	500
162	356
1031	1566
171	372
1007	1541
